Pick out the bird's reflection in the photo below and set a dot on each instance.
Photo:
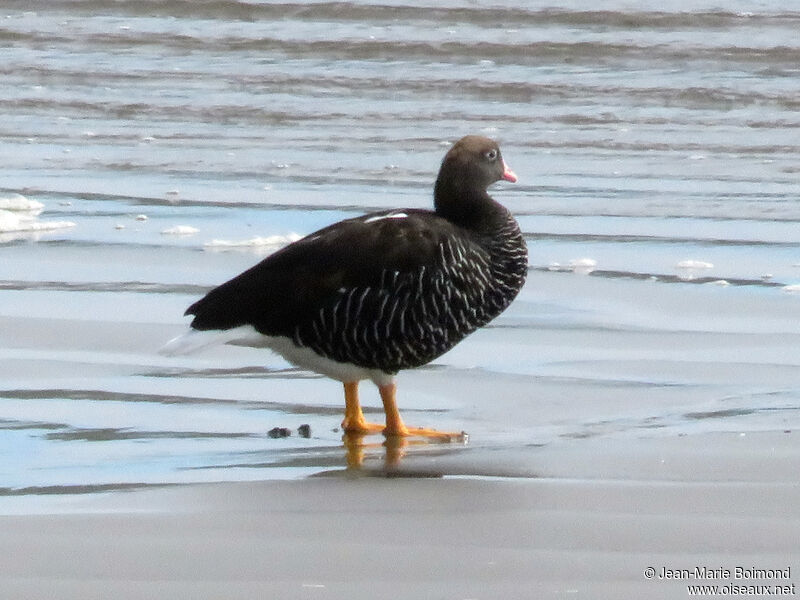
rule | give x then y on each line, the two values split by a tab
357	448
393	449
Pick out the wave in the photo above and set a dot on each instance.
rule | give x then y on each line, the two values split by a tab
112	434
457	51
417	90
105	286
617	238
97	395
102	395
679	278
96	488
496	15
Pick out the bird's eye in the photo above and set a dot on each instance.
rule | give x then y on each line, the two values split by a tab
491	154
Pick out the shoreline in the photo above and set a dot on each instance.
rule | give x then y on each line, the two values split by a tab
589	529
377	537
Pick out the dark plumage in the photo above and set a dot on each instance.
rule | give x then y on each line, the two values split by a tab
388	290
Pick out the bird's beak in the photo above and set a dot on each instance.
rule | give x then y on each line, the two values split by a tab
508	174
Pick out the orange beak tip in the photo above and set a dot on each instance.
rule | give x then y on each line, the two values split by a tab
509	175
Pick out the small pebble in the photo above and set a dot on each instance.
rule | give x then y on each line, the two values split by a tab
279	432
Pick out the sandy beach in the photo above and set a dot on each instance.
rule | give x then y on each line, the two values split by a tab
575	480
622	508
555	506
633	417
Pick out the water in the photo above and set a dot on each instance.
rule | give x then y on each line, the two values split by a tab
644	136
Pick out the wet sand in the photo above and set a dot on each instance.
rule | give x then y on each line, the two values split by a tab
636	407
597	450
623	507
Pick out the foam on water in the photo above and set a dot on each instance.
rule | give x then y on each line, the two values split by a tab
19	218
694	264
257	244
18	202
180	230
581	266
15	225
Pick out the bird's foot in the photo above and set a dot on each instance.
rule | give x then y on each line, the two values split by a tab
361	427
424	432
357	426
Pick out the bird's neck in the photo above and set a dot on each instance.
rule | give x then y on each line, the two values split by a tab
494	228
468	206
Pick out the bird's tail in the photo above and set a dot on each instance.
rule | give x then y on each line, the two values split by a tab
195	340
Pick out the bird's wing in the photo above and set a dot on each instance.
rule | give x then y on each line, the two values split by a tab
288	288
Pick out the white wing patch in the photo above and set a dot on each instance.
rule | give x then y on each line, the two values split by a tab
400	215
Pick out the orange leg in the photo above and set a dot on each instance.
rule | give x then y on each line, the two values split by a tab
396	427
354	421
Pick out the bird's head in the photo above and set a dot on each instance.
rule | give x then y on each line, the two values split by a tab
475	162
469	167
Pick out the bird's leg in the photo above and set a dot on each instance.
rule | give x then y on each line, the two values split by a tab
394	422
354	421
396	427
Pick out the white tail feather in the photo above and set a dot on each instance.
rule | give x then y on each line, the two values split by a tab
193	340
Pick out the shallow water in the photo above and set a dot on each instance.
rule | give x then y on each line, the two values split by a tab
644	138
